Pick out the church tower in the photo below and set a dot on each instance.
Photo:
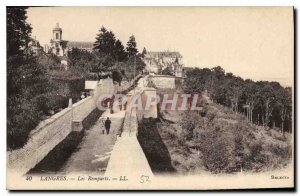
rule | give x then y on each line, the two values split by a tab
58	46
57	33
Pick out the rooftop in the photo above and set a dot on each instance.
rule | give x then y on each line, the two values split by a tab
75	44
163	54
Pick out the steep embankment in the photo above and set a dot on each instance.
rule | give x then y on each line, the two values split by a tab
153	146
215	140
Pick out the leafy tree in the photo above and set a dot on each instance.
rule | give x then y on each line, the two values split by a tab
195	80
137	62
49	61
251	98
105	42
265	102
119	51
131	46
117	76
267	98
283	103
26	80
17	30
234	92
144	52
80	58
217	86
219	72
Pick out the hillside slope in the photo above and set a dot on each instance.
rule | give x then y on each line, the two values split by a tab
218	140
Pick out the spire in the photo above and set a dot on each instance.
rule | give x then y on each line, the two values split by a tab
57	25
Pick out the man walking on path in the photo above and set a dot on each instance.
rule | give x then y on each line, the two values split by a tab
107	125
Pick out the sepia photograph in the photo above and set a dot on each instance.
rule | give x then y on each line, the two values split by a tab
150	98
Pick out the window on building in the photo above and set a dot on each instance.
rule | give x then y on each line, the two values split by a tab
57	36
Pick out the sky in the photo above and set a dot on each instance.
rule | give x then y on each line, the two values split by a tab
250	42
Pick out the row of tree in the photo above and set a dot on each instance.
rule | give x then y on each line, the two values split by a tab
264	103
107	44
109	55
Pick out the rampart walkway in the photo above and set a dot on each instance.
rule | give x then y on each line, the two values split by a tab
128	158
94	151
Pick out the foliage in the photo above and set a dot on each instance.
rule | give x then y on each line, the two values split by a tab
217	152
119	51
227	145
50	61
264	103
105	42
117	76
131	47
144	52
32	93
26	80
137	63
17	30
22	116
168	71
38	87
108	56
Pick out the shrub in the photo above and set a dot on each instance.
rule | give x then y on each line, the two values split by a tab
168	71
117	76
22	117
282	152
216	151
280	138
211	114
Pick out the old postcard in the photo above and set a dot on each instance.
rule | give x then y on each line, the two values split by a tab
150	98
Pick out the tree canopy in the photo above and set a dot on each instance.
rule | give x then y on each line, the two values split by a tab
26	80
105	42
264	103
17	30
131	46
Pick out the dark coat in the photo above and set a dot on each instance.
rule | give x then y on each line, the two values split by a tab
107	123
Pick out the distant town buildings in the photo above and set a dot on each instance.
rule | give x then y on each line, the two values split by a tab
61	47
156	62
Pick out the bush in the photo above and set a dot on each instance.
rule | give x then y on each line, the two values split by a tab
50	60
281	155
211	114
216	150
117	76
22	117
168	71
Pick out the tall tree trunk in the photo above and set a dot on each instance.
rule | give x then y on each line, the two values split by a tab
248	114
251	115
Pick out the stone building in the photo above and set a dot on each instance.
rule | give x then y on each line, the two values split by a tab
61	47
156	62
